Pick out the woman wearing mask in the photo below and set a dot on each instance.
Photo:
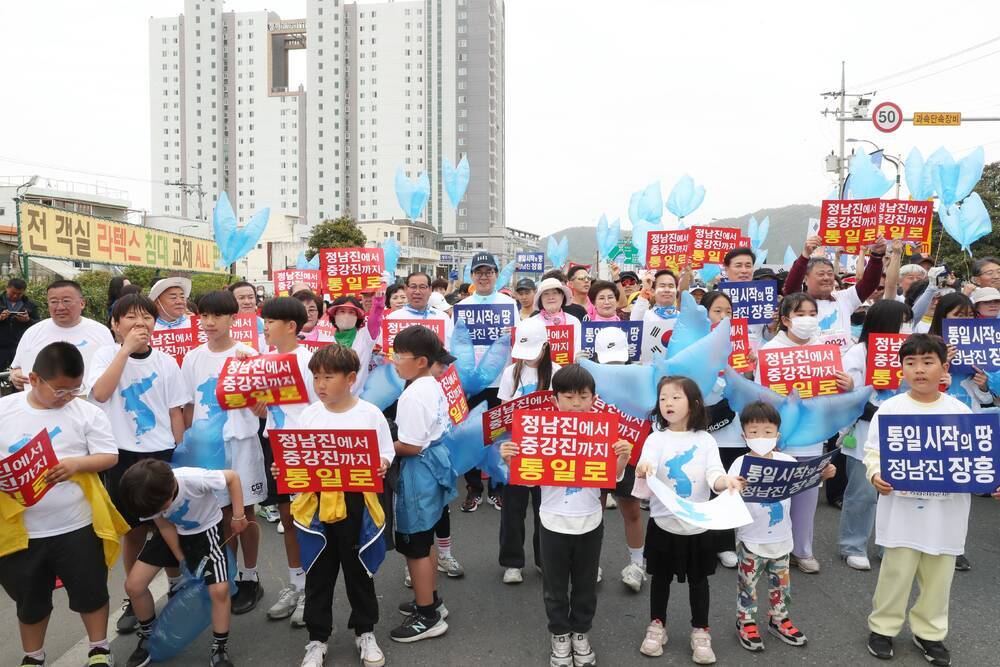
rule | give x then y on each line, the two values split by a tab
356	331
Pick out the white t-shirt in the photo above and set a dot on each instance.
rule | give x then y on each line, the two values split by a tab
422	412
570	510
196	507
201	369
689	462
494	299
285	416
88	336
835	314
527	385
139	407
781	339
933	525
363	415
406	313
770	534
78	428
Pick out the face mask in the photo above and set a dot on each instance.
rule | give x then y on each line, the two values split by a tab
856	331
345	321
761	446
805	327
906	329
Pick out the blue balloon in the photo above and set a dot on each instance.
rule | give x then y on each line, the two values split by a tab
685	197
790	256
467	274
477	377
994	382
607	236
391	250
506	274
383	386
702	361
692	325
465	441
494	466
302	263
203	445
953	181
966	223
866	181
761	258
709	272
758	232
455	179
640	235
918	176
630	388
235	243
412	195
557	251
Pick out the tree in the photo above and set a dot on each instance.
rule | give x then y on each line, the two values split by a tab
340	233
946	251
140	275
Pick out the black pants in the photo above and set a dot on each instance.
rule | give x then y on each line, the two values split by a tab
728	455
836	485
659	595
474	478
442	528
569	579
516	500
341	552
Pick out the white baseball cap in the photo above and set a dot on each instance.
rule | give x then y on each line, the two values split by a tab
438	301
163	284
611	344
529	338
981	294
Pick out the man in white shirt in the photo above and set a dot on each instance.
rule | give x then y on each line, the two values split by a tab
418	292
170	296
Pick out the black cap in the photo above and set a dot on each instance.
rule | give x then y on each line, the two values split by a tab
445	358
628	274
483	259
525	284
917	258
764	273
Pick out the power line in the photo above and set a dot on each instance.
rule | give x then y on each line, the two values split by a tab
43	165
941	71
929	62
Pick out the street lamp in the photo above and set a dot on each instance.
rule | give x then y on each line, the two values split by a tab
24	186
896	162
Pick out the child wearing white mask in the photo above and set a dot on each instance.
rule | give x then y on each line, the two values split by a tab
356	331
764	546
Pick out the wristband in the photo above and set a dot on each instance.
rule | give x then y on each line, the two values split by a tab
239	518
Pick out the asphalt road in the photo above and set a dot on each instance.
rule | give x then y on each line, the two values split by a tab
494	624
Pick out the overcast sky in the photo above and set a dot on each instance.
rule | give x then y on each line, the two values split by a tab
602	97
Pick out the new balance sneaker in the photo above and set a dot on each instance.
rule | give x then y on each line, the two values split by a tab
583	653
934	652
787	632
450	566
248	594
562	651
140	656
727	558
100	657
127	622
655	640
512	575
633	575
288	598
220	658
315	655
417	627
371	654
472	501
298	616
749	636
410	608
701	647
880	646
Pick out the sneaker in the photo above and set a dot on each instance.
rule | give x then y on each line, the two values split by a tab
268	513
496	501
610	503
701	647
808	565
371	654
583	653
880	646
633	576
934	652
298	616
727	558
859	563
410	608
220	658
127	622
288	598
655	640
562	651
512	575
102	656
749	636
315	655
248	594
280	527
140	656
600	574
28	661
407	581
450	566
962	564
786	632
417	627
472	501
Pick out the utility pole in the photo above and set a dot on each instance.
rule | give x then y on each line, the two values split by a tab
190	189
859	111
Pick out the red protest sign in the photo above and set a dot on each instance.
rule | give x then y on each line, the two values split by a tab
314	345
710	244
350	270
310	460
849	223
739	336
668	249
561	342
285	278
497	421
630	429
810	369
272	379
175	342
458	407
883	369
244	330
22	474
390	328
906	220
564	448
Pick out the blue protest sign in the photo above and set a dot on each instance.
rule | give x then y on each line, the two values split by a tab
770	480
485	321
756	300
531	262
633	331
977	341
940	453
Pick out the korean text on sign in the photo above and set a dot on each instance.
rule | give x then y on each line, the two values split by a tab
668	249
22	474
497	421
632	329
175	342
309	460
350	270
977	341
883	370
851	223
739	336
564	449
940	453
769	480
458	406
756	300
485	322
531	262
391	328
630	429
561	343
710	244
810	369
272	379
285	278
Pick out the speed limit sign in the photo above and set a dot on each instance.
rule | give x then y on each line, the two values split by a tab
887	117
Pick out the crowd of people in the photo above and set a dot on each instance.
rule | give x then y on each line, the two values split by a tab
114	491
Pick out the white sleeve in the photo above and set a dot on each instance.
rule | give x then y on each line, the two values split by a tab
506	391
639	308
102	359
178	394
713	466
188	375
577	333
208	481
25	344
855	362
848	297
97	429
650	451
413	420
386	447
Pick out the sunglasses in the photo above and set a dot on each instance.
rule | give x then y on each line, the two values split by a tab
628	282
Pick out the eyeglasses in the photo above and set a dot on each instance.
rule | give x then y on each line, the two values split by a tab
65	303
402	357
483	273
419	288
65	393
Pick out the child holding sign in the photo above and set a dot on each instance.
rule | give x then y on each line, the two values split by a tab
72	531
682	453
571	535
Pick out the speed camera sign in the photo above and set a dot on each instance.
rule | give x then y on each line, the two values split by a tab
887	117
